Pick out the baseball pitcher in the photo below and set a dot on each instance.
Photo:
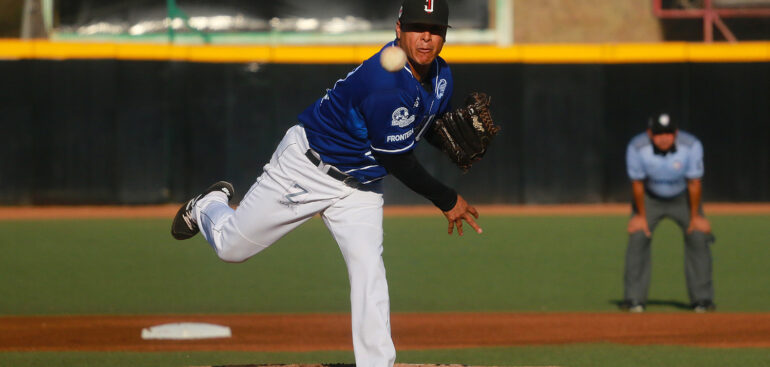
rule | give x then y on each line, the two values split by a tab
333	162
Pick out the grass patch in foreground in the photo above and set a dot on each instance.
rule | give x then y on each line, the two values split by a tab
589	355
133	266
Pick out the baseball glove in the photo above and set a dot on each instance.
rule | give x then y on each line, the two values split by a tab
465	134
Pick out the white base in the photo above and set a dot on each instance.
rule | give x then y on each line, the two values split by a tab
186	330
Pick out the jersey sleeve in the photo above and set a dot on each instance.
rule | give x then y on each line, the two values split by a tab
390	121
634	165
695	161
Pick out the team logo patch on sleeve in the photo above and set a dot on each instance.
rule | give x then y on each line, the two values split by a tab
440	88
401	117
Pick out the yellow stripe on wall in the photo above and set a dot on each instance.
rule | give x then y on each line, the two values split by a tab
529	53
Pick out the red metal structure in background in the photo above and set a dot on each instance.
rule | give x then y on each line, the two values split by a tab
711	16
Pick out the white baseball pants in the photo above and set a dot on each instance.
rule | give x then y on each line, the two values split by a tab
290	191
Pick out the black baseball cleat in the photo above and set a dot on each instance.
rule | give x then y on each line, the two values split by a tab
184	226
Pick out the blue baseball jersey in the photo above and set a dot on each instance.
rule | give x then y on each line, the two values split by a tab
665	175
375	110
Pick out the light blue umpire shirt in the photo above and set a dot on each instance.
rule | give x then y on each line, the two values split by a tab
665	175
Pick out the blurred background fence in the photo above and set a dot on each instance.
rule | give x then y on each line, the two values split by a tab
83	127
135	132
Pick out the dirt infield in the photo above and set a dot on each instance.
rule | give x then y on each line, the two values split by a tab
168	211
307	332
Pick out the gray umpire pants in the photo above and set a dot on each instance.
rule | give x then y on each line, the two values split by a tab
697	252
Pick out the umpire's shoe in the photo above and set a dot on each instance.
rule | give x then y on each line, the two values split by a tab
184	225
704	306
632	306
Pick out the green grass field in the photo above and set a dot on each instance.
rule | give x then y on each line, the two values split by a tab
546	264
580	355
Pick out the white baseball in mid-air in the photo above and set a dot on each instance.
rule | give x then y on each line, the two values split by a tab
393	58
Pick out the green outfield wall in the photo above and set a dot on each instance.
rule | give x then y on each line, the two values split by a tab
85	123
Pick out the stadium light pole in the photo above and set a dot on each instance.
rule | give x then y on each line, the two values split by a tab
32	23
504	22
48	16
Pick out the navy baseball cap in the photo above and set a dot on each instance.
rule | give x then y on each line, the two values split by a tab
662	123
433	12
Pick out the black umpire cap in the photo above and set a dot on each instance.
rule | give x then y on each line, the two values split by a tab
433	12
662	123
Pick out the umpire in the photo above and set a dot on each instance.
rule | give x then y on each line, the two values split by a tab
665	166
